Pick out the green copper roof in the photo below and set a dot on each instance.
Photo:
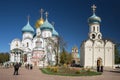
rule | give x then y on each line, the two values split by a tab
28	28
94	19
46	25
55	33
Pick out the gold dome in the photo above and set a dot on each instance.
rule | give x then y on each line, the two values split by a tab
39	22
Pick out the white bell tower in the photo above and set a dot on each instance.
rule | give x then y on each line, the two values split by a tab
94	26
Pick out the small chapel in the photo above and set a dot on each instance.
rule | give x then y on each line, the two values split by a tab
96	50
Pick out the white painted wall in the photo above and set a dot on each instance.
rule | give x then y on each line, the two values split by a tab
16	43
95	50
27	35
46	33
108	53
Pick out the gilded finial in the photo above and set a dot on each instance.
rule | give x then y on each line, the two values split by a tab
41	12
41	20
93	8
46	13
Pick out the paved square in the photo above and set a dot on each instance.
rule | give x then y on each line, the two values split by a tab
36	74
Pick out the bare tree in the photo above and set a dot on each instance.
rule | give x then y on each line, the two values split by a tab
57	47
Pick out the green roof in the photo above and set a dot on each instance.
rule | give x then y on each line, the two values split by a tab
46	25
28	28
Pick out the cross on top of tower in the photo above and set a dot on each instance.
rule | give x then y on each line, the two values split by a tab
41	12
28	17
46	13
93	8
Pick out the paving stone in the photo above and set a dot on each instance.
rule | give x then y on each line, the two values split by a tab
36	74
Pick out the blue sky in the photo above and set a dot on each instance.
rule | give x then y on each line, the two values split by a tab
70	17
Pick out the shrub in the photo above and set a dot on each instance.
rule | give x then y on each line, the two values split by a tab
77	72
55	69
49	67
69	72
65	65
88	70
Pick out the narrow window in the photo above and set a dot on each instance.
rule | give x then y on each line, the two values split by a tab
27	44
93	28
97	28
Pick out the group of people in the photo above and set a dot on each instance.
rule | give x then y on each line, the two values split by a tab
99	66
28	66
18	65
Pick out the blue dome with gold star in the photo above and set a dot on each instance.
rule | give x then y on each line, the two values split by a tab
28	28
46	25
94	19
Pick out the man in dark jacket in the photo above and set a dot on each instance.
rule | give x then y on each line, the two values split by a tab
16	68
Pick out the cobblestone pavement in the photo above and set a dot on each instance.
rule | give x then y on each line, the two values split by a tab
36	74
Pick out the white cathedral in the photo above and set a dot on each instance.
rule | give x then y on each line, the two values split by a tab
35	47
95	50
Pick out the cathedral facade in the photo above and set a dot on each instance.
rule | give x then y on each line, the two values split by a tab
35	48
96	50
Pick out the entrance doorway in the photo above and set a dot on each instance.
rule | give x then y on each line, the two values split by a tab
99	62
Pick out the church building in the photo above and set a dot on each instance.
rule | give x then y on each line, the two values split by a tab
75	55
36	48
96	50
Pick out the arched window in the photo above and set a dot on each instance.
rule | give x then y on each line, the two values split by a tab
93	28
93	36
99	36
38	43
97	28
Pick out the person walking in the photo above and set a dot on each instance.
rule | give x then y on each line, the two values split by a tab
98	65
16	68
101	68
31	67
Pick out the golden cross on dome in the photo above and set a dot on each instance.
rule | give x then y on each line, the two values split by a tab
94	8
46	13
41	12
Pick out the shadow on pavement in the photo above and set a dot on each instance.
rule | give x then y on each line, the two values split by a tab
115	71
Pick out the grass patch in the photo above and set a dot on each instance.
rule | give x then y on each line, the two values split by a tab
69	72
